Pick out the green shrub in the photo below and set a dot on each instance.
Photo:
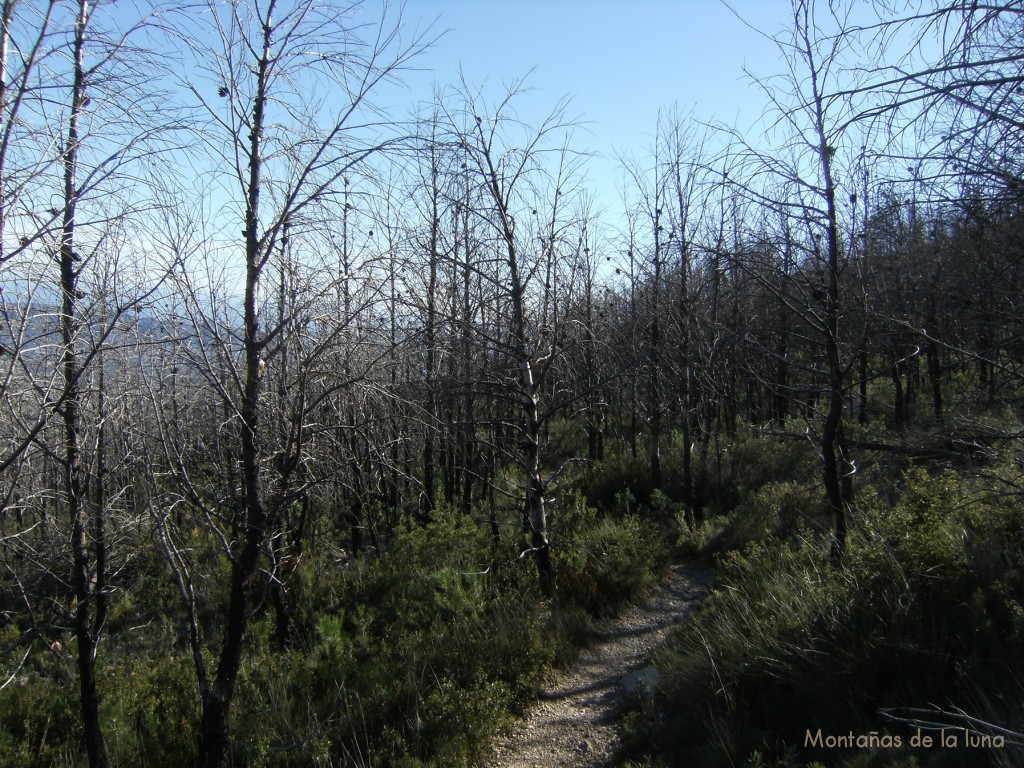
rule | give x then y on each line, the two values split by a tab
457	722
617	560
775	510
149	710
606	483
40	724
926	608
634	557
415	656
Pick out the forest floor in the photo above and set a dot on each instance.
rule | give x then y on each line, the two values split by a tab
574	724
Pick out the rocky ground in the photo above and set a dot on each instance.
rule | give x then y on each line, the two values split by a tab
574	722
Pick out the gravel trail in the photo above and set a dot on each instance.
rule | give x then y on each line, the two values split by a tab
573	724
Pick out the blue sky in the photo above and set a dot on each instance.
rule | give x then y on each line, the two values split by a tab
619	61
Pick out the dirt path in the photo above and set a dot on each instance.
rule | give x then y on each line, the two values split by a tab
573	724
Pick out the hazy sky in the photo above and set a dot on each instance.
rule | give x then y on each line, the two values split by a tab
620	61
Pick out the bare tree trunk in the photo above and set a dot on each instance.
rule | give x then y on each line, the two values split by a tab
780	395
862	357
593	423
837	467
286	461
466	341
429	501
633	395
503	176
6	110
685	324
82	576
99	535
252	524
655	358
933	359
535	509
898	397
832	443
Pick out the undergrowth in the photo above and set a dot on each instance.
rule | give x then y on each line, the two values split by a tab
414	658
925	611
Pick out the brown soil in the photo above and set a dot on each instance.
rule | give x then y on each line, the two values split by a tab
574	722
